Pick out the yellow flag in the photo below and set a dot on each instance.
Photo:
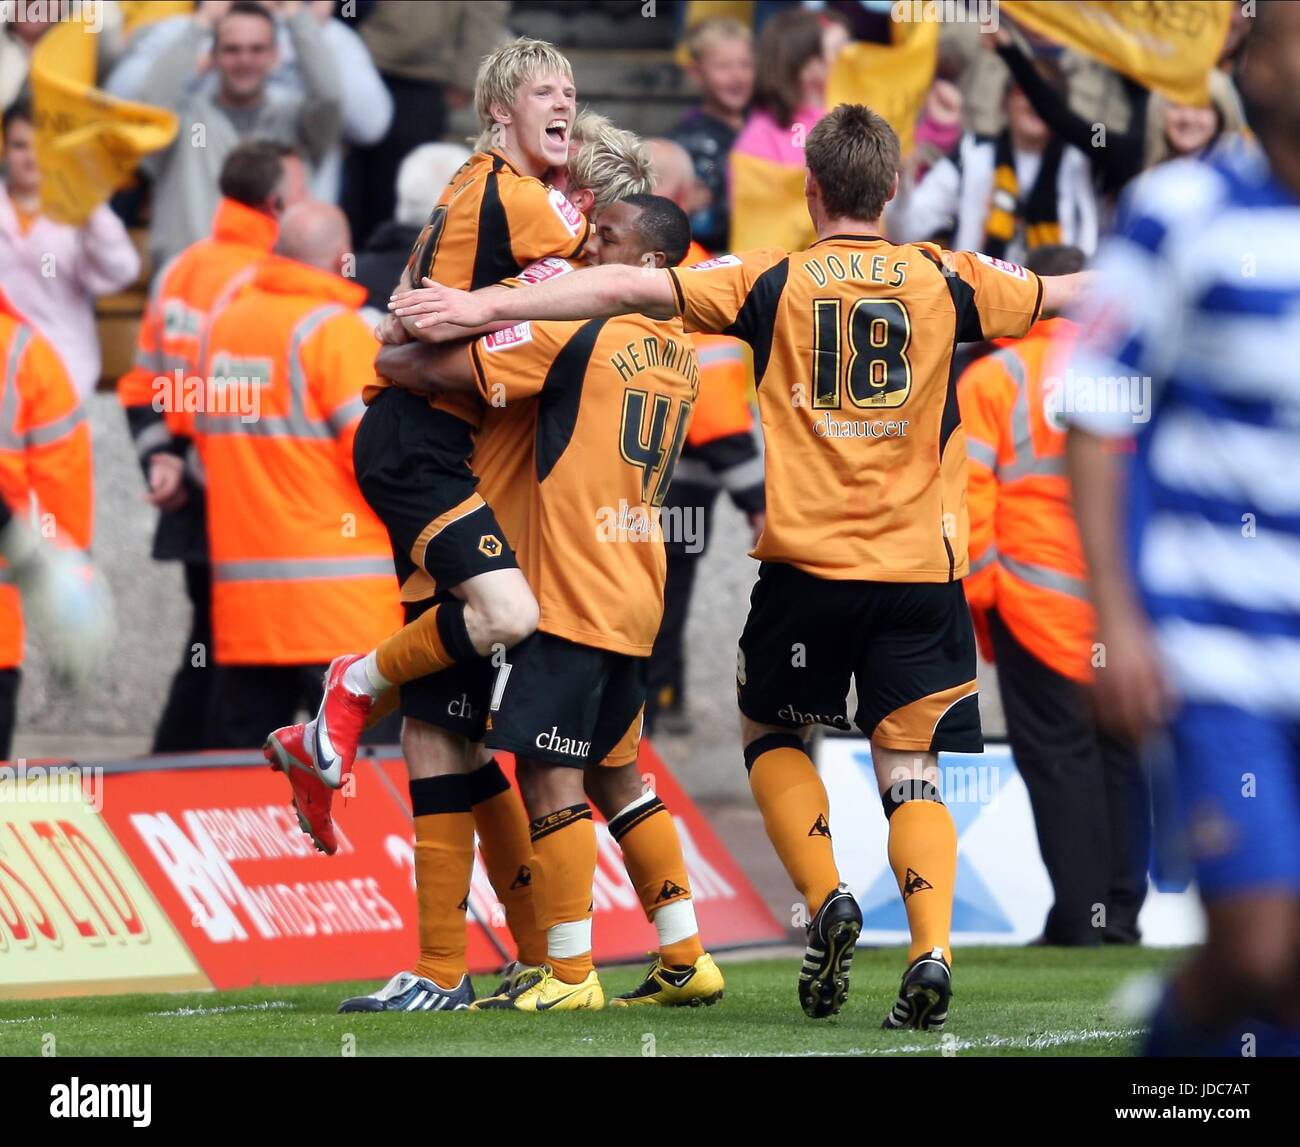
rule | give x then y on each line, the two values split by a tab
1170	47
137	13
891	79
87	143
768	208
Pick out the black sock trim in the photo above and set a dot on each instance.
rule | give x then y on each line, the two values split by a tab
432	795
898	794
625	822
486	782
554	821
452	631
769	741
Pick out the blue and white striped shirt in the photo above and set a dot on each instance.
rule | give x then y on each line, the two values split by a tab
1191	344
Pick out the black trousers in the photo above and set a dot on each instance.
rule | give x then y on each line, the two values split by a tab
1089	795
184	724
249	701
666	673
10	679
370	173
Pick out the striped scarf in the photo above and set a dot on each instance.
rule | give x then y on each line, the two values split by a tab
1037	211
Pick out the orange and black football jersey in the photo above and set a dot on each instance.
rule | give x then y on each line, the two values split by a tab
613	401
853	343
490	222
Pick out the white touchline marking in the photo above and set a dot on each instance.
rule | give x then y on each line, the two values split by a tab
1033	1043
27	1020
269	1004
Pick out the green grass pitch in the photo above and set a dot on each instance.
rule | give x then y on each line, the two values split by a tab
1009	1001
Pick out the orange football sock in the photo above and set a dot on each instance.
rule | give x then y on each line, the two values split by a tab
382	705
564	866
507	849
652	853
433	641
923	855
796	813
444	863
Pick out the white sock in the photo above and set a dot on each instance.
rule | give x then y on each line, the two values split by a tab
363	677
645	798
564	941
675	922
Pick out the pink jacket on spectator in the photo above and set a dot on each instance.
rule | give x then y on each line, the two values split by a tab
53	274
766	139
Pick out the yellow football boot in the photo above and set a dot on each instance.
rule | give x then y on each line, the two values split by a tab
700	984
545	993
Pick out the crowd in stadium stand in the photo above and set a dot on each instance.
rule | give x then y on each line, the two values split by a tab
1021	149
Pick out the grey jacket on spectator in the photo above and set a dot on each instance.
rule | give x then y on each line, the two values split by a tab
367	108
185	175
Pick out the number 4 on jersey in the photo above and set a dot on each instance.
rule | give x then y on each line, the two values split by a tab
642	440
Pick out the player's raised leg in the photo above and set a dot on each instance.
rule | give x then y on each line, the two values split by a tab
438	762
683	974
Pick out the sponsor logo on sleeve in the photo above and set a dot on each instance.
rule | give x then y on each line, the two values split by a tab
717	261
544	269
1013	269
569	215
509	337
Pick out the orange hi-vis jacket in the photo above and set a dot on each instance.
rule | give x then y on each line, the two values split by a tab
185	292
45	456
1026	558
722	408
301	567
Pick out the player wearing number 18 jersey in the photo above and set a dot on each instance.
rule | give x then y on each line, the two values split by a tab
865	540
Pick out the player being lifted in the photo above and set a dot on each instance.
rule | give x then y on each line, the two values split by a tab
606	404
866	531
461	586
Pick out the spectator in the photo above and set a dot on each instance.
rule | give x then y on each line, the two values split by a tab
54	270
45	460
366	107
17	39
428	56
301	567
722	66
1004	196
258	183
242	106
420	180
1158	129
1028	592
795	51
938	128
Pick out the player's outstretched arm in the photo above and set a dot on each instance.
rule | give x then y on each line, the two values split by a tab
595	292
1062	292
426	369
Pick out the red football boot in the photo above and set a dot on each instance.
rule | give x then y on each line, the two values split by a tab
288	753
339	724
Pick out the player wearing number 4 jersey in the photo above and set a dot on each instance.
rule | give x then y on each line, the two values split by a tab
866	531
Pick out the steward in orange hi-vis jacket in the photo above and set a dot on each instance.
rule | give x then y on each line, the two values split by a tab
45	458
720	454
1028	590
301	569
154	394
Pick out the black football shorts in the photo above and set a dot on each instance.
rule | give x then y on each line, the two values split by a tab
908	646
412	466
455	698
567	704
